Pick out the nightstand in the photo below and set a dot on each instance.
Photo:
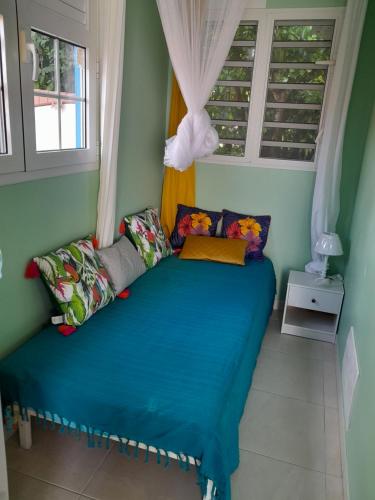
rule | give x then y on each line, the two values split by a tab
312	307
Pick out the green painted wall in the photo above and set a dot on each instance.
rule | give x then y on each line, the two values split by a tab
356	226
38	216
358	311
286	195
359	116
143	109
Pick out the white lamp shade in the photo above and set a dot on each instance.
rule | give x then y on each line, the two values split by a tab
329	244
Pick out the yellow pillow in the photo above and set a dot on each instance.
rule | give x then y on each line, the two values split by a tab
229	251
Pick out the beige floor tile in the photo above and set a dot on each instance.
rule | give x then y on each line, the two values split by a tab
262	478
289	376
334	490
120	478
56	458
297	346
332	442
285	429
23	487
330	385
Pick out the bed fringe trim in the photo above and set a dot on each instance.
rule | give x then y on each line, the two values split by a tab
97	439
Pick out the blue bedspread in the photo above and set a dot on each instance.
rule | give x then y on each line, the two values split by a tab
170	367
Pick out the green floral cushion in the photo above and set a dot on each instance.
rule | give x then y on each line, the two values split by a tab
77	280
148	236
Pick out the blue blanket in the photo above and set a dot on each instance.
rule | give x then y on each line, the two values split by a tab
170	367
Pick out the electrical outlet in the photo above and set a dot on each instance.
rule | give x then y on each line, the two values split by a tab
350	374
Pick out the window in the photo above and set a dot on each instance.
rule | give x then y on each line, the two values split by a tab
296	83
269	100
11	139
59	94
229	103
49	64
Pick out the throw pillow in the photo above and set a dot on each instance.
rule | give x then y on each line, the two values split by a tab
146	232
77	280
252	228
195	221
123	263
216	249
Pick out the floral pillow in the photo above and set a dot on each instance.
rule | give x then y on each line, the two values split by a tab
77	280
195	221
253	228
146	231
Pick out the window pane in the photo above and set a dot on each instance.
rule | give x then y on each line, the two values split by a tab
225	93
60	121
281	153
72	69
292	115
295	75
246	32
235	132
303	32
241	54
231	150
72	124
289	135
227	113
45	46
294	86
300	54
237	73
236	90
46	123
295	96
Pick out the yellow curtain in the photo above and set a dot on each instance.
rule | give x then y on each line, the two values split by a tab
178	187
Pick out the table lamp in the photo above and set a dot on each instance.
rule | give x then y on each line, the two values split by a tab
328	244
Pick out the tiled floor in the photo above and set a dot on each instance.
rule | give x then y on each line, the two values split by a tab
289	440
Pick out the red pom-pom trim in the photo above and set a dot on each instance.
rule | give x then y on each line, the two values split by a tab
95	242
125	294
32	270
66	329
122	227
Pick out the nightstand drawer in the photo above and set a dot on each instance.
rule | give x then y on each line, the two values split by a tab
316	300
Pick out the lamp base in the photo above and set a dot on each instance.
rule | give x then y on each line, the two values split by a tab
325	267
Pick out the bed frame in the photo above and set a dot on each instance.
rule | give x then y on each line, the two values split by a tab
25	440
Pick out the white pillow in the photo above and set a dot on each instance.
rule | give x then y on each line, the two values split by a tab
123	263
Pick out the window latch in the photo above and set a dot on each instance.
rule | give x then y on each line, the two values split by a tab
26	47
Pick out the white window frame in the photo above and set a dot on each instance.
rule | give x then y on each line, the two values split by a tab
266	19
54	18
13	160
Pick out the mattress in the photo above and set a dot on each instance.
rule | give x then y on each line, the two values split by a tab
170	367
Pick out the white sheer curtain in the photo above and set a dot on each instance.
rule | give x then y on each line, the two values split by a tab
326	201
199	34
112	31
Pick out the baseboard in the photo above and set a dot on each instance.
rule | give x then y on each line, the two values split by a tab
278	304
344	460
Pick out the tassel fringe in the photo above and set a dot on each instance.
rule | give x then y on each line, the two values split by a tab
95	439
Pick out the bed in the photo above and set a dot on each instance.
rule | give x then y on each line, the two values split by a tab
167	370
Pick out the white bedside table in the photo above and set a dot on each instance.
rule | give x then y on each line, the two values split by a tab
312	308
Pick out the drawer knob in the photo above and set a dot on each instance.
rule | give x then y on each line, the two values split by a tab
313	301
